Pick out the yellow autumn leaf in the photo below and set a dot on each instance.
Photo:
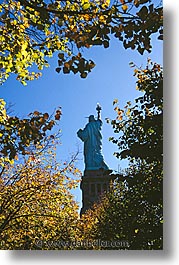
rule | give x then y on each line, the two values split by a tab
36	113
24	46
124	8
86	6
116	109
106	4
65	17
22	27
115	101
86	17
14	22
119	118
67	65
128	112
48	45
11	162
48	32
102	18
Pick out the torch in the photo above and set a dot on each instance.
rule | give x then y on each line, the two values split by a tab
98	108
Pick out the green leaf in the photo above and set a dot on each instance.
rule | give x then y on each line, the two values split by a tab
143	12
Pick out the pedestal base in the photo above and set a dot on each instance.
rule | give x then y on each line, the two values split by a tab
94	183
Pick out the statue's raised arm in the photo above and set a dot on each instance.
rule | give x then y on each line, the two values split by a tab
92	138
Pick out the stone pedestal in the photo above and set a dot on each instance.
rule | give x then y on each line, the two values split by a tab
93	184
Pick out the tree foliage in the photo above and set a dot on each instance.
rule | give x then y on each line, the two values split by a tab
17	135
31	31
37	209
140	127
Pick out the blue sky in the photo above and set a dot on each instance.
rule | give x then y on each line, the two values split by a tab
111	78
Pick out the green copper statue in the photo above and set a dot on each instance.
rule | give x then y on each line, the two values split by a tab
92	138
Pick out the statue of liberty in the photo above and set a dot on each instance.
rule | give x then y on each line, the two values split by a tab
92	138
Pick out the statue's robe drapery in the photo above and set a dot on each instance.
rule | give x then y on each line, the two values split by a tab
92	138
